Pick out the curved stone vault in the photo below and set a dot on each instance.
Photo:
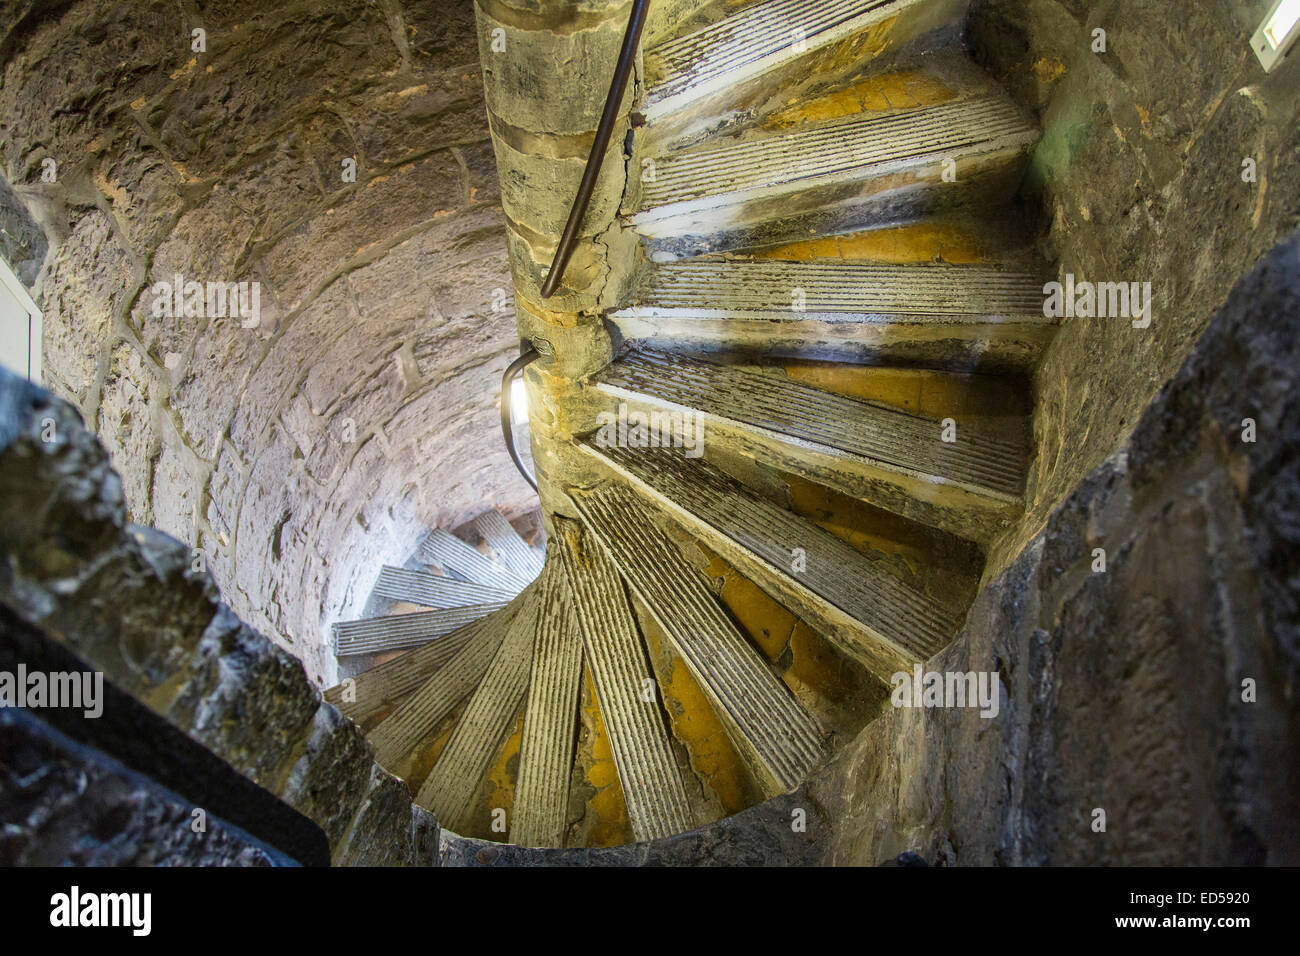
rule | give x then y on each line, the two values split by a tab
303	454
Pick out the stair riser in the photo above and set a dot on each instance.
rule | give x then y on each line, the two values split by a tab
1000	344
871	197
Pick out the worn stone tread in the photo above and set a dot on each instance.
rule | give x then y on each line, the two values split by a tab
393	680
420	713
550	722
430	590
842	150
512	550
838	291
397	631
647	769
779	739
895	440
895	623
448	791
447	551
749	41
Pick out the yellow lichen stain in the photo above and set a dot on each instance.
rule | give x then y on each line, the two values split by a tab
1145	116
878	94
1049	69
968	399
611	825
873	40
696	724
498	789
813	664
856	523
416	766
187	68
139	103
766	622
904	245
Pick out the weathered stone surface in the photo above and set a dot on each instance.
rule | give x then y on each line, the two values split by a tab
332	777
128	428
764	835
1140	175
245	698
68	806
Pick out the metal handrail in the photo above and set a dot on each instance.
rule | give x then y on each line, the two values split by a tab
507	422
617	87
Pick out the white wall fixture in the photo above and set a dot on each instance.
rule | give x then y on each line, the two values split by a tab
20	327
1277	34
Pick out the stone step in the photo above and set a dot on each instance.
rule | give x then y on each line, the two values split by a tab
450	553
448	791
833	177
430	590
647	768
889	458
967	317
387	684
511	550
759	38
420	713
779	740
397	631
856	603
550	722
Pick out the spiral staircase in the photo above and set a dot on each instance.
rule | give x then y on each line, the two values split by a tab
841	291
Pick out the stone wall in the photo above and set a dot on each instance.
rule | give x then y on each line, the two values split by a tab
68	806
1140	173
128	602
360	411
1124	689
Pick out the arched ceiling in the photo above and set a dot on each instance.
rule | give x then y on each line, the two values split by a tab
302	451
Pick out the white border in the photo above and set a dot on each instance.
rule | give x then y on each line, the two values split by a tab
11	283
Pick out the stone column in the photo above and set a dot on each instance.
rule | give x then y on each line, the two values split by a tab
547	67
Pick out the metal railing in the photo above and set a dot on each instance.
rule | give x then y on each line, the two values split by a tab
578	211
507	420
608	120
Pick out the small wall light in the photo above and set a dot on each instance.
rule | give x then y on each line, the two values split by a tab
518	401
1277	34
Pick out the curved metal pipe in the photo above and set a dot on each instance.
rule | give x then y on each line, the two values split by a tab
507	422
596	158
